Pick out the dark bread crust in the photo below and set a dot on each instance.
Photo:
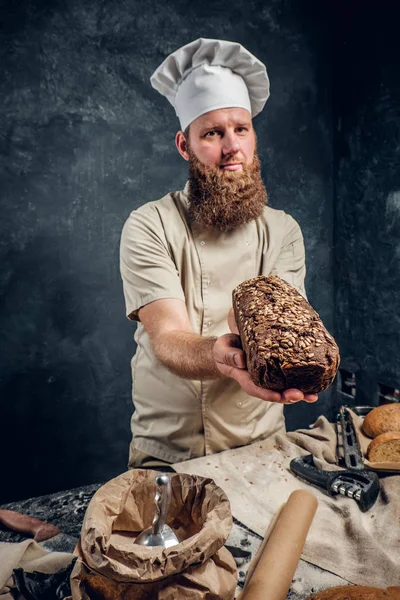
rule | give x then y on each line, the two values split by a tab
284	340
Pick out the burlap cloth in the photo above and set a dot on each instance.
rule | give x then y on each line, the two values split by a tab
30	556
363	548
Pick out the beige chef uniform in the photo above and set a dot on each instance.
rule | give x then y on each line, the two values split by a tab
164	256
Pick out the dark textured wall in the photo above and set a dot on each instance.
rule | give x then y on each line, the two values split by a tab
367	182
84	140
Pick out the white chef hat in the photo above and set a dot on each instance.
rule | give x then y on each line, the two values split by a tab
210	74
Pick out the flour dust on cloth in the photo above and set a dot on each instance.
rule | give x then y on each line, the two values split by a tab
363	548
29	556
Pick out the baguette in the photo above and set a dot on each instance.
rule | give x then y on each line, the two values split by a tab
357	592
40	530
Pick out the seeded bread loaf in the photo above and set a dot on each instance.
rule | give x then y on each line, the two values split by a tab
284	340
357	592
381	419
385	447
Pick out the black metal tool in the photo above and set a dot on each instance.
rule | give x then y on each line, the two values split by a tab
361	485
353	458
356	482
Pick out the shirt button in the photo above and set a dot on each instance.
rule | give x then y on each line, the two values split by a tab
202	243
208	406
209	323
240	404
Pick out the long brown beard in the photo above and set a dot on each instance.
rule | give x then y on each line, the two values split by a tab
225	199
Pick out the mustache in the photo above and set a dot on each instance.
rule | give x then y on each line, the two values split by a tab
214	174
231	160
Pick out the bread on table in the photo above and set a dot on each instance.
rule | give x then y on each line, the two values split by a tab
357	592
381	419
385	447
284	340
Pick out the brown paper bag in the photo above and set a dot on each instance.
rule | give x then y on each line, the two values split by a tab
110	565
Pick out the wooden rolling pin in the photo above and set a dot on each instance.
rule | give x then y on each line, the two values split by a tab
271	573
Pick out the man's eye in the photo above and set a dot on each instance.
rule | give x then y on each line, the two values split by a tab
241	129
213	133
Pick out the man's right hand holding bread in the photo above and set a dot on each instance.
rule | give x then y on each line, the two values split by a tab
193	356
230	360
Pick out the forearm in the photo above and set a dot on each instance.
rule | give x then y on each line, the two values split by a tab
192	356
188	355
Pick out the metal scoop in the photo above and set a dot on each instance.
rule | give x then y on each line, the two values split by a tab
159	534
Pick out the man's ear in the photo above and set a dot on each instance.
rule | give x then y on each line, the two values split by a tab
182	145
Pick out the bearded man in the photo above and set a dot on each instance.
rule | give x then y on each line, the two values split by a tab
181	257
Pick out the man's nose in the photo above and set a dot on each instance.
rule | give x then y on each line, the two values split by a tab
230	144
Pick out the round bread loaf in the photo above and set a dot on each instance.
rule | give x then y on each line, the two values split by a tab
357	592
285	341
385	447
381	419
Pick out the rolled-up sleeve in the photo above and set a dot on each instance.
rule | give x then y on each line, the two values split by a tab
147	269
291	264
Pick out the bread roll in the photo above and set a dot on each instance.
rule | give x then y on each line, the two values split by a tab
357	592
285	341
385	447
381	419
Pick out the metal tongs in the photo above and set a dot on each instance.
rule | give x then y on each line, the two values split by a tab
355	482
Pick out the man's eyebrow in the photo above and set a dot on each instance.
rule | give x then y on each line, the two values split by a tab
211	126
